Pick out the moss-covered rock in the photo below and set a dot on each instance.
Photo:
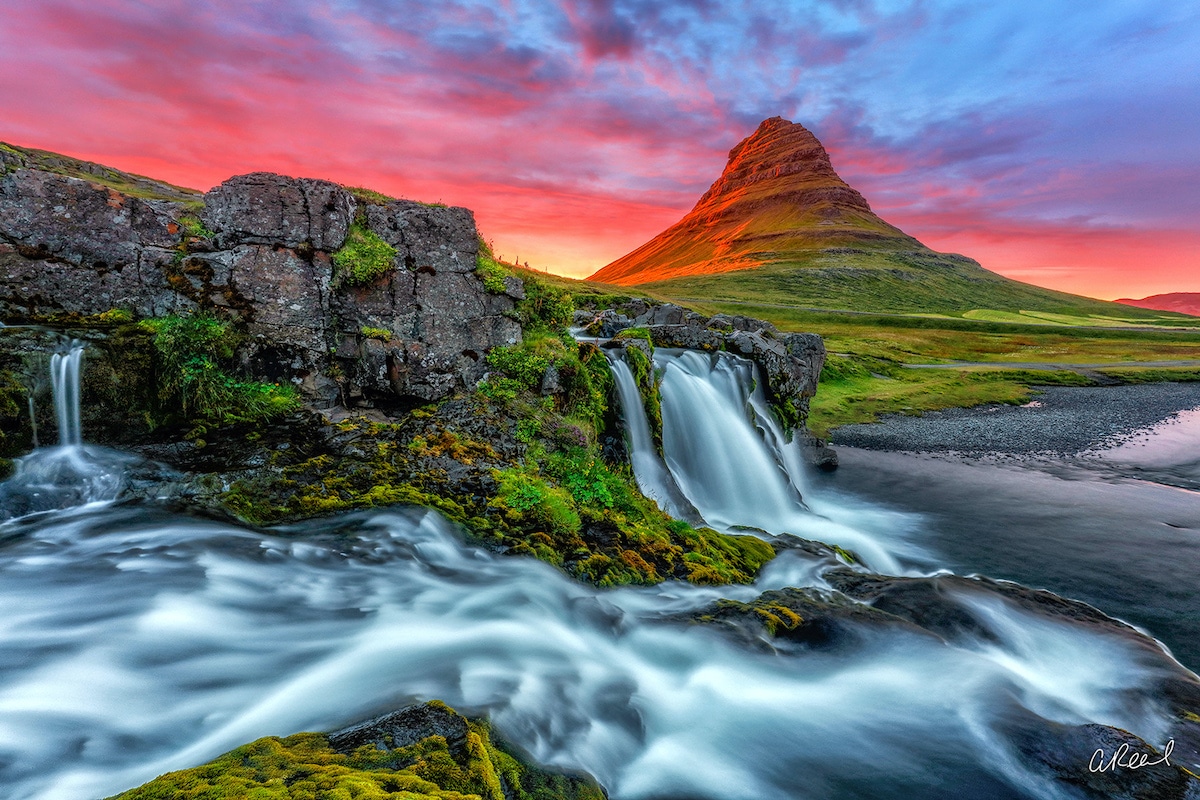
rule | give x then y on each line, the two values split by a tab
419	753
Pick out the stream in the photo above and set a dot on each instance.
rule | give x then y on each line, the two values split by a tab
136	640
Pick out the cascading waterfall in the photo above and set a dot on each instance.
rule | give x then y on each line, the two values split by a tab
64	379
136	642
653	478
729	458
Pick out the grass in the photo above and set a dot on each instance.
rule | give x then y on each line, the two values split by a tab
125	182
902	282
191	354
364	258
865	375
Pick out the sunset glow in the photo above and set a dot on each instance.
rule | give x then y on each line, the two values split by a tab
1055	143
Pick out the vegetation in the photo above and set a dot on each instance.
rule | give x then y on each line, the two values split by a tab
124	182
364	258
193	227
306	766
382	334
900	282
489	270
191	352
369	196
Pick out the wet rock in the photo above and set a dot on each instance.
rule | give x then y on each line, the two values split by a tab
1069	754
812	618
604	325
403	728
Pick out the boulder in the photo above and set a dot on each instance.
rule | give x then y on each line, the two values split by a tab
270	209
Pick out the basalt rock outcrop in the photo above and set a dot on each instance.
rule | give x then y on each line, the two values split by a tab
259	249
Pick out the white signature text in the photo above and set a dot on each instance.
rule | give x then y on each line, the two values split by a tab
1122	757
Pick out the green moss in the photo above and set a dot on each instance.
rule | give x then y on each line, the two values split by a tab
115	316
193	383
382	334
13	404
492	273
369	196
306	767
647	380
364	258
193	227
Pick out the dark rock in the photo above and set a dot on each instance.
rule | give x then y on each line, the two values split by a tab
604	325
427	238
403	728
67	245
812	618
1068	752
550	381
270	209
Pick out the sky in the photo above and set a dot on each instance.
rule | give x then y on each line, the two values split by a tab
1054	141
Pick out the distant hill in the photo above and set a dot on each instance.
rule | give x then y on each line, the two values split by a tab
780	226
1179	302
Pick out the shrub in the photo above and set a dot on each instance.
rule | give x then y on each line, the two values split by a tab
192	226
192	381
364	258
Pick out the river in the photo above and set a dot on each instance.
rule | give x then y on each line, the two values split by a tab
137	639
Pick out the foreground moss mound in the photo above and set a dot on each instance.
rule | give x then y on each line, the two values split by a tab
456	761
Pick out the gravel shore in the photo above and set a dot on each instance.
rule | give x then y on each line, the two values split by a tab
1062	420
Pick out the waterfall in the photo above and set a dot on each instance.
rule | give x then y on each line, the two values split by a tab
653	478
727	457
71	474
64	379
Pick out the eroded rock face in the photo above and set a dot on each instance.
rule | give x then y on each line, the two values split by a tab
264	257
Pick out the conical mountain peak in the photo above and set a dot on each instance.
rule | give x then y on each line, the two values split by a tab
778	194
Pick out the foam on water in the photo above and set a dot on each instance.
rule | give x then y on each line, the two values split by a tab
136	643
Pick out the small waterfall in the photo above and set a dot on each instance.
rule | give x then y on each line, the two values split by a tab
729	458
71	474
653	478
64	378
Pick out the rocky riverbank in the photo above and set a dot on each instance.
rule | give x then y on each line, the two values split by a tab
1060	421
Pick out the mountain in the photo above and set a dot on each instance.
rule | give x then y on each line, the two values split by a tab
1179	302
779	226
778	194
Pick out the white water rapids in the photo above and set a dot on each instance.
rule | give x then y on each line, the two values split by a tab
135	641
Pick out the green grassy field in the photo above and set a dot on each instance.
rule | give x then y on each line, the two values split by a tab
902	282
869	372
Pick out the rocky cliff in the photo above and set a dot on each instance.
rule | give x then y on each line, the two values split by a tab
263	250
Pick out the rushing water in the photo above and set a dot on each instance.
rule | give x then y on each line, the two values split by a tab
135	641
